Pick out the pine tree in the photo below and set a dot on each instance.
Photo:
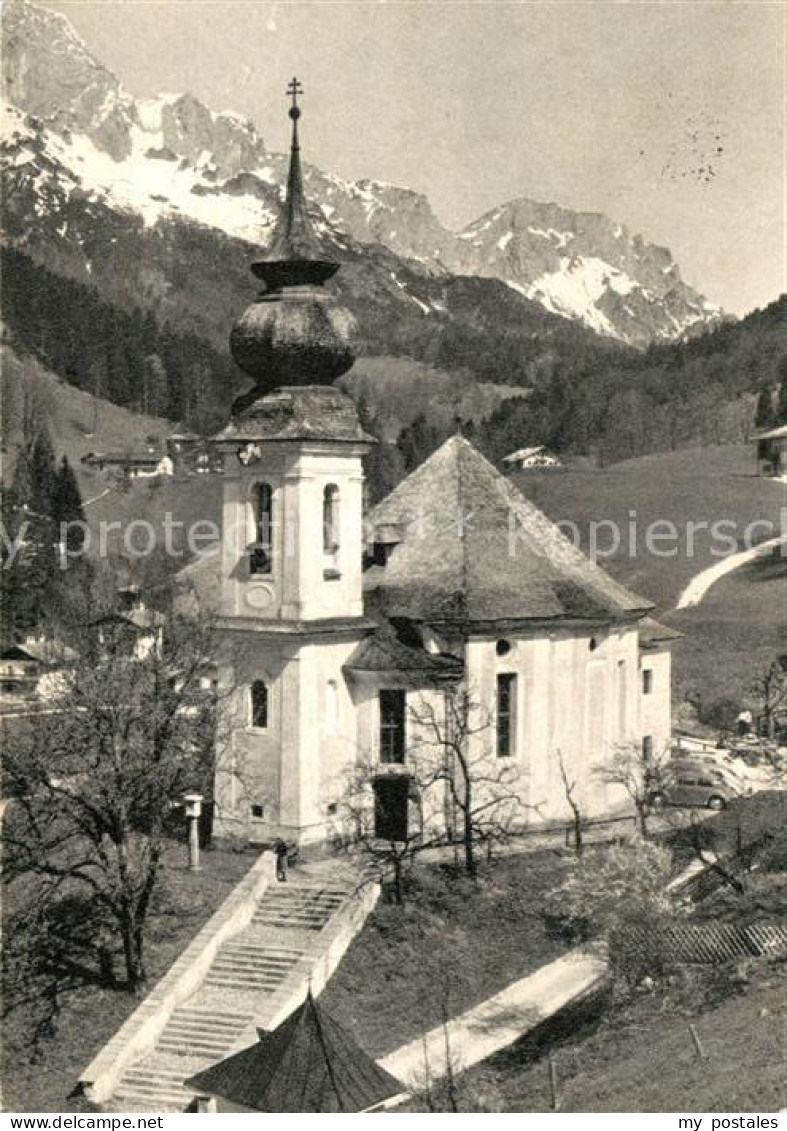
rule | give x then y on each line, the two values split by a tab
781	408
29	571
67	502
763	416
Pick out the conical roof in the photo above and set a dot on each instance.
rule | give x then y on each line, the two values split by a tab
294	257
308	1064
474	550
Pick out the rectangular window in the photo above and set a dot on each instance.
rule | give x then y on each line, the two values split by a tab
647	748
258	812
647	681
506	715
392	726
390	808
259	704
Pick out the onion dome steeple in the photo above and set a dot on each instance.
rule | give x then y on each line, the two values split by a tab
295	333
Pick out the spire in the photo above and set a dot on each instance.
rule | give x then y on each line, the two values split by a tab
294	257
295	332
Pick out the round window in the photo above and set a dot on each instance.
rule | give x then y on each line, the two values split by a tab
502	647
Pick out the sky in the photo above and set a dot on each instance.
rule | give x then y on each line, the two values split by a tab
669	117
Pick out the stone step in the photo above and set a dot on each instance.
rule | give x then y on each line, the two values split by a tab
188	1025
256	956
252	965
145	1071
267	977
214	1016
273	950
152	1086
193	1047
288	921
247	977
233	981
195	1025
151	1101
303	895
303	900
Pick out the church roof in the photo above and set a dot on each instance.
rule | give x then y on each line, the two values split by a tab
383	651
652	633
308	1064
473	549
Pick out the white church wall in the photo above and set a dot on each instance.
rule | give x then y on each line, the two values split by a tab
282	780
655	705
577	697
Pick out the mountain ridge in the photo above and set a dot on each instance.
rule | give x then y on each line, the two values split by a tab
173	157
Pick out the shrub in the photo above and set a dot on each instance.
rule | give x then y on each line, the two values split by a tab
611	888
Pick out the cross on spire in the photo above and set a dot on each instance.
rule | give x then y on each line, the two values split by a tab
294	88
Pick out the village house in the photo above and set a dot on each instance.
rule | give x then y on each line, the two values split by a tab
771	451
339	628
534	456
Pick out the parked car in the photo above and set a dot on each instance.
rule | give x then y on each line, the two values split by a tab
697	783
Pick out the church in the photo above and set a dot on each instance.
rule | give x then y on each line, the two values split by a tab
346	636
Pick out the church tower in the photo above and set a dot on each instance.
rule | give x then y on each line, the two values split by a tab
291	602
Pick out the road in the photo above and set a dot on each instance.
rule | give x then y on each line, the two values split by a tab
701	583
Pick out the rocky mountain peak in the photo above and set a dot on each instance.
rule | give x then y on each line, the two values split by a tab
171	157
50	74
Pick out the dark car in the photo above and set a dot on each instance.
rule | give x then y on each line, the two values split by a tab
697	784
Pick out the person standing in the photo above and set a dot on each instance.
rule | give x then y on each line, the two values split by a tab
280	850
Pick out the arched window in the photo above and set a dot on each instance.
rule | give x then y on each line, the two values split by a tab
330	518
259	704
622	699
331	706
261	558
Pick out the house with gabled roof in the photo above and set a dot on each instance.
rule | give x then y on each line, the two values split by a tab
338	626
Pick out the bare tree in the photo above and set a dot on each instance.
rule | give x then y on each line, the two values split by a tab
453	747
770	688
128	728
639	775
570	790
389	856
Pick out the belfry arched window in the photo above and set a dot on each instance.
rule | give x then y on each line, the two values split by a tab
261	557
330	518
259	704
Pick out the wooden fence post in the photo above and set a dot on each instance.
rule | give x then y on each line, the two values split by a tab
553	1085
697	1042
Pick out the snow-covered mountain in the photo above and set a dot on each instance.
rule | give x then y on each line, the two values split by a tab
69	122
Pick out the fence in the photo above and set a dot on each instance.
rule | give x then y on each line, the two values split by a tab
704	942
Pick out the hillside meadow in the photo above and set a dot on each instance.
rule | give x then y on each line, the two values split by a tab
739	625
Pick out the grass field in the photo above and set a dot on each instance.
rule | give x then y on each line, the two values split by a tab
642	1058
697	485
740	624
40	1079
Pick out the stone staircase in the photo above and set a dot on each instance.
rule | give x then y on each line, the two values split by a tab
253	966
297	907
250	977
202	1032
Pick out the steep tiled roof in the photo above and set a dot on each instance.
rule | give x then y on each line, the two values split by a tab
473	549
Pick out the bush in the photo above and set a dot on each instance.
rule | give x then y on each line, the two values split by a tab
611	888
720	714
